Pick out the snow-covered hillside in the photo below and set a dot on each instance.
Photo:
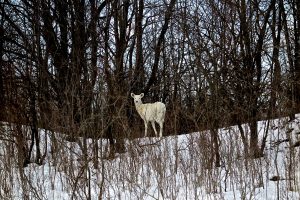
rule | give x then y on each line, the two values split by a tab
175	167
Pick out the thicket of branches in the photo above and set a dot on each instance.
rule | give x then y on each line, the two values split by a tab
70	66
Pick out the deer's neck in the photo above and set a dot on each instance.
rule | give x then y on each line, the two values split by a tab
139	107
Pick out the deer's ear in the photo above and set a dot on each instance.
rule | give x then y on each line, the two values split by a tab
132	95
142	95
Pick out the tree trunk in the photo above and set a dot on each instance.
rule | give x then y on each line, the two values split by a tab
139	71
2	99
297	58
275	70
157	49
216	146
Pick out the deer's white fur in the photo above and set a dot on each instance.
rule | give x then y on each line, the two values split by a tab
153	112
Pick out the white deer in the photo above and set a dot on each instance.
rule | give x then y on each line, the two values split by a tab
153	112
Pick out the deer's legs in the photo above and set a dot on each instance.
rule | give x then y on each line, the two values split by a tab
161	126
153	126
146	127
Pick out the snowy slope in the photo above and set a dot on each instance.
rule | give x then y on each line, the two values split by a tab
175	167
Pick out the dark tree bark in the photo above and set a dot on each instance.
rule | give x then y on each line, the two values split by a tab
276	28
117	87
139	71
33	124
252	61
2	100
108	77
157	50
296	83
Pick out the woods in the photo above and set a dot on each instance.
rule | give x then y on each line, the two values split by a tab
70	66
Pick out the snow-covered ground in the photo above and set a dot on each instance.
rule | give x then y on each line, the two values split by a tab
174	167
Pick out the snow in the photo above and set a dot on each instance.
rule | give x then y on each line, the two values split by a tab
174	167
